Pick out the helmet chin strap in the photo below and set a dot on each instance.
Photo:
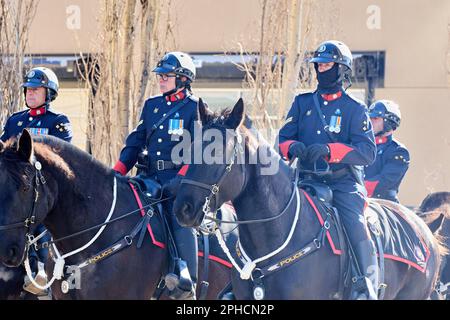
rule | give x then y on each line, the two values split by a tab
344	76
179	85
381	133
386	128
170	92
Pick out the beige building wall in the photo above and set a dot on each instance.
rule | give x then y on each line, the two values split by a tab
414	34
74	103
64	26
416	37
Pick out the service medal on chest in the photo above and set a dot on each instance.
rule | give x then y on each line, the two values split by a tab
335	122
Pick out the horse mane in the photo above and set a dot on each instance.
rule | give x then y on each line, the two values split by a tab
434	205
252	137
51	150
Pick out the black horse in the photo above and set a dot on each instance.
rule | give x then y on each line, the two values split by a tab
275	215
52	182
435	211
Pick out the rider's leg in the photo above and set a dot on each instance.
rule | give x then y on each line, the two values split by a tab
186	243
43	252
351	210
37	260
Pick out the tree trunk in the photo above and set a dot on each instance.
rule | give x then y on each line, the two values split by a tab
131	39
15	20
125	67
291	64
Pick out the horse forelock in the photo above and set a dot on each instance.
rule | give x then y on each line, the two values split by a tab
19	170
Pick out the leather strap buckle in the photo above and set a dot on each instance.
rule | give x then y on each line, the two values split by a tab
160	165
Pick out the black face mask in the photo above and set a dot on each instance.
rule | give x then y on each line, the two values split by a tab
328	80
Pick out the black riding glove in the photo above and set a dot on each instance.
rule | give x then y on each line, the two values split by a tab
118	174
296	150
316	151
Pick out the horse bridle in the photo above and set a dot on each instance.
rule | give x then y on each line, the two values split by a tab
31	218
215	188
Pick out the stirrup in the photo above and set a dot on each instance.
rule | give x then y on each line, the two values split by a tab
41	279
228	296
172	281
180	294
363	290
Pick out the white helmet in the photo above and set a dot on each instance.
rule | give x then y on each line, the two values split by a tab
179	63
42	77
389	111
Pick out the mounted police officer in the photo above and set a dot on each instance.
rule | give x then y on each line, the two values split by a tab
40	88
330	125
175	110
383	177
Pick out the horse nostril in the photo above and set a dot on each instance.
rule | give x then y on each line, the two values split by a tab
13	251
186	209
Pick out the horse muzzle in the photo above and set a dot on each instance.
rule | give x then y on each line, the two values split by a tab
12	257
186	215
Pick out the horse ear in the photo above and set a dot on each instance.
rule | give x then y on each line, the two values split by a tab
25	146
202	111
237	115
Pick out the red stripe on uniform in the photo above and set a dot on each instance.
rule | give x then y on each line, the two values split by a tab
381	140
176	96
120	167
370	187
284	147
38	111
338	151
332	96
183	170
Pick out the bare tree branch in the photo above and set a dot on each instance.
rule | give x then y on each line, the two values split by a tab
15	20
132	38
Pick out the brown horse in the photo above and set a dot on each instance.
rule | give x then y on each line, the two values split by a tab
435	211
52	182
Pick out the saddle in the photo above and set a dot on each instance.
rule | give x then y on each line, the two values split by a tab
318	190
160	230
148	187
394	234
